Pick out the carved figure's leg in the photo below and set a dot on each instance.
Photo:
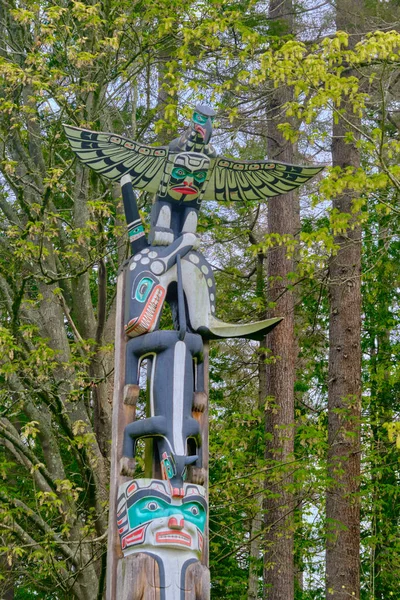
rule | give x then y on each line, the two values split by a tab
189	223
152	427
161	233
192	429
199	376
138	577
197	582
132	363
199	395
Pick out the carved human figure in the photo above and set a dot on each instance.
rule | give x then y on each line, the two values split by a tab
151	273
184	173
179	197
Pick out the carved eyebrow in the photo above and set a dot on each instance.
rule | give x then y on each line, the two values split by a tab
147	494
197	499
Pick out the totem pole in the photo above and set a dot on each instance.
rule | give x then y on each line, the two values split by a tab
162	521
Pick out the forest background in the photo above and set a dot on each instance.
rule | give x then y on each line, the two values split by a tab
305	431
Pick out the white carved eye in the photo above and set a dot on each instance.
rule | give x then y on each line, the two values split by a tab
152	506
195	511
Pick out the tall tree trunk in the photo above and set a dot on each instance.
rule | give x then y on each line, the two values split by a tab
344	388
280	370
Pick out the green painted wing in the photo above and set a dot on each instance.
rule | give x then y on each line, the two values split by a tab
254	180
114	156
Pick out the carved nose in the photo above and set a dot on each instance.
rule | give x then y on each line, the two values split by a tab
188	181
176	523
178	492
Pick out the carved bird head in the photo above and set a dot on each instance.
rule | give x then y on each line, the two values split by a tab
202	121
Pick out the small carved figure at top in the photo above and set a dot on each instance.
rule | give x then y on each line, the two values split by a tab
197	136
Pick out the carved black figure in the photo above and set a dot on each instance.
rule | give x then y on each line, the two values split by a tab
175	373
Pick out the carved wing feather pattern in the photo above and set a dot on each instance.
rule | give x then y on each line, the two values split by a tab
114	156
254	180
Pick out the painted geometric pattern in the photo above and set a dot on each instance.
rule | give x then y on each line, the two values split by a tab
254	180
114	156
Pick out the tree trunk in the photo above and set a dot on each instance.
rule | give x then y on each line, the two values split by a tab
7	579
280	368
344	388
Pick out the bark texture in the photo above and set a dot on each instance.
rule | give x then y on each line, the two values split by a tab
281	347
344	389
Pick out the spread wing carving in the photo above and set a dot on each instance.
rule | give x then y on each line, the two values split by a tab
114	156
254	180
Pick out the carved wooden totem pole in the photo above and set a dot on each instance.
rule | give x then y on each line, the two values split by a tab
158	525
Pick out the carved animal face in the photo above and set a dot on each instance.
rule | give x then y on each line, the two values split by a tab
145	293
174	470
145	302
202	121
148	517
188	176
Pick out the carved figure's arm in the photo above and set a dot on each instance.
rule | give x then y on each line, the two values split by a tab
166	257
137	237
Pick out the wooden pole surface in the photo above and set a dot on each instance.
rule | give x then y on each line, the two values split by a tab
201	475
136	577
120	417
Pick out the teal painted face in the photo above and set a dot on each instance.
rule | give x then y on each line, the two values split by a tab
201	119
150	519
151	508
188	176
180	173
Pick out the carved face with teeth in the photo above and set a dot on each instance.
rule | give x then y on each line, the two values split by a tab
188	175
144	304
150	517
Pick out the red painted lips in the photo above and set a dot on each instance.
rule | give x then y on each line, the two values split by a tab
185	189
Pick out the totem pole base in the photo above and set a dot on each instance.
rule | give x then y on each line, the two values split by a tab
139	579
